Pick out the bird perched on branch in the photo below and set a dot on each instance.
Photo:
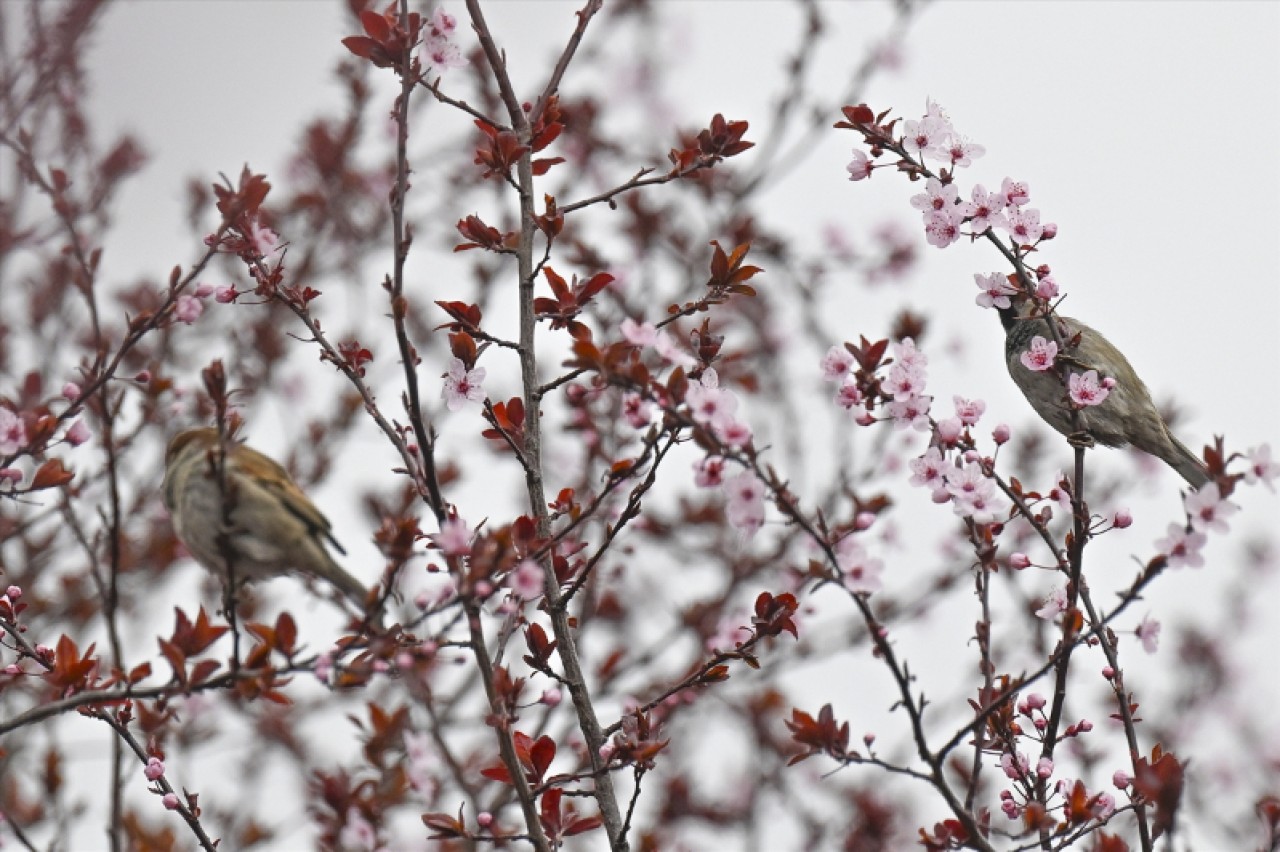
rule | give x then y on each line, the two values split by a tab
1126	416
272	527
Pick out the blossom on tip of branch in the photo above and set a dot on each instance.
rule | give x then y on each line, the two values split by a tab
1148	632
1054	605
860	166
836	363
1208	509
1261	467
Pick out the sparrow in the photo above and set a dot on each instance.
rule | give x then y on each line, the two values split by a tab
272	528
1126	417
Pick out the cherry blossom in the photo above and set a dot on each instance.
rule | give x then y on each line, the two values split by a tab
745	509
526	579
1208	509
1148	632
1261	467
860	166
1182	547
1085	389
936	196
848	394
454	538
836	363
1024	226
969	410
961	151
861	571
709	472
638	334
1047	288
996	290
1054	605
462	385
941	227
927	470
986	209
78	433
910	411
1015	193
188	309
13	433
636	410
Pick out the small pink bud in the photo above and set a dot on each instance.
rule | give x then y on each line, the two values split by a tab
381	666
1047	289
551	697
170	801
1044	768
422	600
1041	723
1018	561
71	391
606	752
154	769
864	520
1043	270
484	588
484	819
1049	231
225	294
13	592
1035	701
1001	434
1084	726
203	291
404	661
940	495
1108	383
868	738
864	418
142	377
1121	779
78	433
13	669
1108	672
1122	519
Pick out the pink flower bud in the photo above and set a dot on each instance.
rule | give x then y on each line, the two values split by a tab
170	801
71	391
551	697
142	377
404	660
1050	231
864	520
1108	672
1108	383
203	291
13	592
606	752
225	294
154	768
484	588
1018	561
78	433
864	418
1001	434
868	738
484	819
1044	768
1122	519
1047	289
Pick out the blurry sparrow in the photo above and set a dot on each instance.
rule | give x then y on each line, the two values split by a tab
273	527
1126	416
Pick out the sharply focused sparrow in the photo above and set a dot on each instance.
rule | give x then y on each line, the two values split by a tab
273	528
1126	416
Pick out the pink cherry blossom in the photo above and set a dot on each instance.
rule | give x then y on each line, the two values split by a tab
462	385
708	472
1261	467
848	395
1054	605
669	352
13	433
225	294
188	309
1148	632
941	228
925	136
861	571
927	470
969	410
836	363
264	240
636	410
454	538
996	290
170	801
732	431
860	166
949	430
1047	288
936	196
71	391
1041	356
1024	226
1208	509
638	334
78	433
1015	193
910	411
526	579
1085	389
986	209
154	768
904	381
745	508
961	151
1183	547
